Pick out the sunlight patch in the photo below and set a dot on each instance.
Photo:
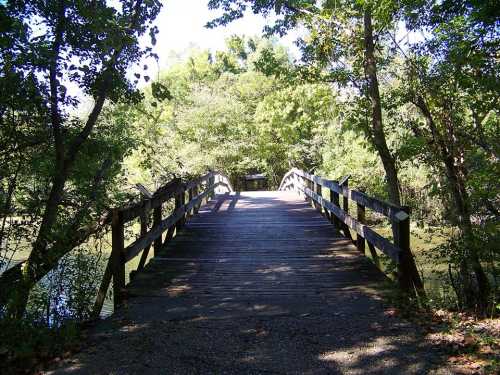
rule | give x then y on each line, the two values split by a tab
174	291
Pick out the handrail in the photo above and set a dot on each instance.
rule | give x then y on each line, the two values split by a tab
399	251
197	190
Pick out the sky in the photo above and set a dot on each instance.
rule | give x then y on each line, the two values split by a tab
182	26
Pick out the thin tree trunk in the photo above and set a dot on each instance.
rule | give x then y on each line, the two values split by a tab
379	140
40	259
462	210
377	130
21	278
16	283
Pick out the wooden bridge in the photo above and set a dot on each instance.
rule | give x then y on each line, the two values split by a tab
256	282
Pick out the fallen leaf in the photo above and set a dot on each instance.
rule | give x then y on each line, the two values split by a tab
469	340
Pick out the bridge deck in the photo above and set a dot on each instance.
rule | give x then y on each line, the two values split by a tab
258	282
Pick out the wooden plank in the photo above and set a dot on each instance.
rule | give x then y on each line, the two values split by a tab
117	258
360	240
232	253
134	248
103	290
392	211
370	235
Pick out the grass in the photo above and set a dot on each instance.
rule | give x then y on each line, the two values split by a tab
25	346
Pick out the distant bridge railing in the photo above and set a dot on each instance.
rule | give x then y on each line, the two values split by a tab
311	187
188	198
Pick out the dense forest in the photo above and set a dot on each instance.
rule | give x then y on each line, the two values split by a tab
401	95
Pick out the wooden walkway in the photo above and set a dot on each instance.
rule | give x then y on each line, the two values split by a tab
257	282
255	246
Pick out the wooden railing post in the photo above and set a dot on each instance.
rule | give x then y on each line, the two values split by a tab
345	203
304	183
156	221
196	207
408	276
334	198
344	184
298	184
183	203
171	230
179	202
318	190
117	257
402	240
101	293
398	250
310	186
360	240
211	183
190	198
144	229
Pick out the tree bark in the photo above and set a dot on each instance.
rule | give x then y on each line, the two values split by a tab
40	259
380	143
21	278
377	130
462	211
17	283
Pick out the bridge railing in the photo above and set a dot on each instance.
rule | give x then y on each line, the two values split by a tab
188	198
311	187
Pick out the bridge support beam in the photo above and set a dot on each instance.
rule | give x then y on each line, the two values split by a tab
360	240
408	276
318	190
117	257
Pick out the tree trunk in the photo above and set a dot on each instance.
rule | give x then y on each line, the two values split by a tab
377	130
19	282
15	284
463	214
380	143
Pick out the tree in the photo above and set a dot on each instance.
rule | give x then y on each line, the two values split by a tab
291	124
453	80
50	46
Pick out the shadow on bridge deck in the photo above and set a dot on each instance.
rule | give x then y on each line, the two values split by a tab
258	282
